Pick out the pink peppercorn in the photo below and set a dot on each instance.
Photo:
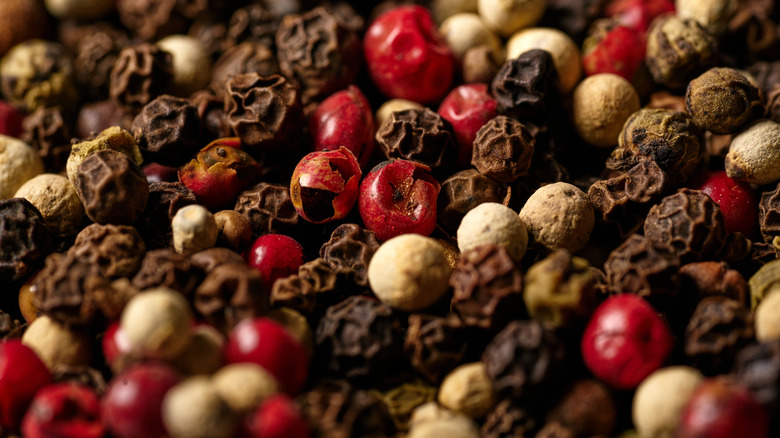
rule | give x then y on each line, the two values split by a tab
344	119
467	108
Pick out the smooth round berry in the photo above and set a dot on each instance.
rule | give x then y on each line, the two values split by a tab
22	374
275	256
467	108
736	199
344	119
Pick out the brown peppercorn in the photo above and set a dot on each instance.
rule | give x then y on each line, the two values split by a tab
312	288
153	19
167	269
704	279
265	112
254	22
140	73
646	182
560	290
247	57
165	199
669	138
21	20
208	259
690	222
508	419
112	187
587	409
98	116
678	50
526	85
358	338
235	232
480	65
336	409
667	100
612	206
463	191
168	130
270	210
230	293
402	400
524	361
503	149
10	328
435	345
717	330
487	287
211	112
417	135
48	133
24	238
769	214
80	375
95	54
349	251
320	51
722	100
644	267
116	250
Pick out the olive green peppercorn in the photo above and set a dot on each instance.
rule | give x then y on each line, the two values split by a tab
722	100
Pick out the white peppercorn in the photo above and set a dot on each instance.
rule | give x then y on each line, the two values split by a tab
443	9
191	64
57	200
57	344
493	223
244	386
601	105
508	16
467	389
84	10
194	229
713	15
754	154
559	215
203	352
660	399
156	323
194	409
432	421
464	31
18	163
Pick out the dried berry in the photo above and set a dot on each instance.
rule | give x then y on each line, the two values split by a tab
718	329
349	251
116	250
526	85
507	419
402	400
704	279
312	288
95	55
358	339
435	345
463	191
168	130
254	22
208	259
318	50
48	133
690	222
169	269
269	210
564	51
600	105
419	135
247	57
722	100
152	19
324	185
480	65
503	149
66	287
678	50
524	362
264	112
24	238
229	294
488	286
165	199
140	73
587	409
38	73
558	215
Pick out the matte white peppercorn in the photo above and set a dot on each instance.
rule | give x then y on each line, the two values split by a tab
558	216
57	200
244	386
392	106
443	9
767	317
493	223
57	344
465	31
18	163
601	105
84	10
713	15
754	154
194	229
432	421
564	51
508	16
660	399
409	272
194	409
467	389
156	323
191	64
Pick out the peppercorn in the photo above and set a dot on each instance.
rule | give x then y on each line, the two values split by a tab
468	390
713	15
243	386
493	223
57	201
557	216
114	138
18	164
722	100
503	149
464	31
601	105
195	409
190	65
565	53
754	154
156	323
507	17
393	105
763	282
57	344
678	50
656	410
431	420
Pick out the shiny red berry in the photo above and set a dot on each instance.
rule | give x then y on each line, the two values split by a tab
406	56
344	119
267	343
467	108
618	50
22	374
736	199
720	408
277	417
64	410
638	14
156	172
275	256
398	197
625	340
324	185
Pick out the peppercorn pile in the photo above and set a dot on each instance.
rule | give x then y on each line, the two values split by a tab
408	218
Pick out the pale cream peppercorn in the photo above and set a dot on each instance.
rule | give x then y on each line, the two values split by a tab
57	344
114	138
156	323
409	272
557	216
767	317
564	51
508	16
465	31
467	389
57	200
194	409
191	64
443	9
660	399
18	163
493	223
432	421
713	15
84	10
194	229
392	106
244	386
754	154
601	105
203	353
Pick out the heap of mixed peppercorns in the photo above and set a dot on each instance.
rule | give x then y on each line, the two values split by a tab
433	218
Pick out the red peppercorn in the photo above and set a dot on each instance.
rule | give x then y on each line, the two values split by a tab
719	408
268	344
398	197
64	410
407	57
10	120
131	406
344	119
467	108
22	374
157	173
324	185
114	343
275	256
638	13
620	51
277	417
737	200
625	341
